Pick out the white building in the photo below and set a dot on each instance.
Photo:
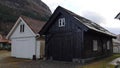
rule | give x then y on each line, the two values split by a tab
25	40
116	46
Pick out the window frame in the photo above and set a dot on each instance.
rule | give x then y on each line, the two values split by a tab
22	28
95	45
108	45
61	22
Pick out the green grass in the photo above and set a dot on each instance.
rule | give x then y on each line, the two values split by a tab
104	63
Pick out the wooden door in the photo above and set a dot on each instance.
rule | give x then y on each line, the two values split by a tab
61	47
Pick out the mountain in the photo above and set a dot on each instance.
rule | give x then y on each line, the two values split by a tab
10	10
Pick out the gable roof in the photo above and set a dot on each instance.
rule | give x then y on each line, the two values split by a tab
118	16
87	23
34	25
90	24
3	39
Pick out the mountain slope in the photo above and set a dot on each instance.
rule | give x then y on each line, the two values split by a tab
10	10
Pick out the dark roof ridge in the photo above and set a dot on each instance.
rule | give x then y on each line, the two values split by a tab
90	24
34	24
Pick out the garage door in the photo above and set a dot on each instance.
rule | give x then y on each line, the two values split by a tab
23	48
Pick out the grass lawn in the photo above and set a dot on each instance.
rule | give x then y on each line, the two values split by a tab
102	63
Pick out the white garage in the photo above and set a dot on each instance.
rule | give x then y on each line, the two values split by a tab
25	39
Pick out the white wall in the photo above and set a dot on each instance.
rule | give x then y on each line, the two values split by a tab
23	47
24	44
38	49
116	49
42	48
27	31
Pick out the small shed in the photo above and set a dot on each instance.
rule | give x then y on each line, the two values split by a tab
25	40
116	46
70	37
4	43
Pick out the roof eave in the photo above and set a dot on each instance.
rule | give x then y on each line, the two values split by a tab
110	35
13	28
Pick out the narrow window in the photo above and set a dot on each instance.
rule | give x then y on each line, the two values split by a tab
22	28
61	22
108	45
104	46
95	45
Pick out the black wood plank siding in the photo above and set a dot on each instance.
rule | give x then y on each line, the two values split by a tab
102	49
64	43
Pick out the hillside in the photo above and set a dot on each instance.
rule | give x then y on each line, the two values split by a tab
10	10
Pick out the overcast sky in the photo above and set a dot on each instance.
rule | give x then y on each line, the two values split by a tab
99	11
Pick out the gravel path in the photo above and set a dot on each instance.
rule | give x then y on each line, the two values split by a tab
40	64
8	62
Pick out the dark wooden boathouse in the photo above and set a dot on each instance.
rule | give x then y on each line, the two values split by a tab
70	37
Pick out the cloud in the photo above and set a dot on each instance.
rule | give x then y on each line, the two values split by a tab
95	17
111	23
99	11
53	4
114	30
